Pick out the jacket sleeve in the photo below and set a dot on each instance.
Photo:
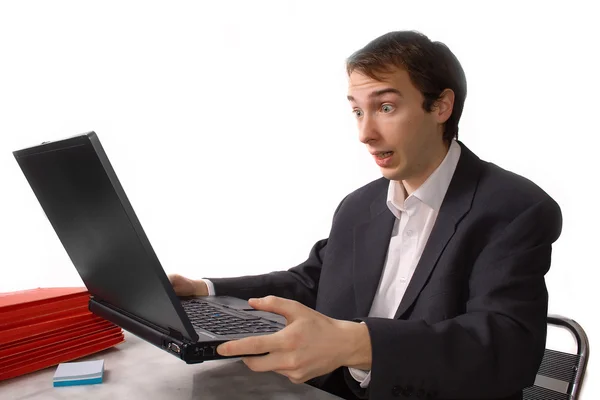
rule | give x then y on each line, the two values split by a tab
495	348
299	283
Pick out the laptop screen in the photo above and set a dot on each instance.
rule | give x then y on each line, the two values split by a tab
87	207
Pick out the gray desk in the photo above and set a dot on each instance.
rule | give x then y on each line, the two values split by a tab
138	370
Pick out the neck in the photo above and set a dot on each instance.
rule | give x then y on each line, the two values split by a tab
436	158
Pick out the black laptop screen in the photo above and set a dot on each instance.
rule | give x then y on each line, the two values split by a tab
88	209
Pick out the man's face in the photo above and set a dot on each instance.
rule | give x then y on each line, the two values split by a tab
391	119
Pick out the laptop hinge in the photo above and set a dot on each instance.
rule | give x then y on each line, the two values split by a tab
175	334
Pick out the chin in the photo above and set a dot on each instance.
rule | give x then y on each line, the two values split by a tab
391	174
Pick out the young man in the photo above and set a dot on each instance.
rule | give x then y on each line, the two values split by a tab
431	282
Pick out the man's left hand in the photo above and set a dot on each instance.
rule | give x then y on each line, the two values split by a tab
311	344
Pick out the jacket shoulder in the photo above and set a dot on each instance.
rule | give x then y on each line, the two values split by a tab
497	183
502	196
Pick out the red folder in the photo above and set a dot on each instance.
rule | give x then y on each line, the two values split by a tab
33	297
44	317
8	315
56	337
43	327
66	356
49	349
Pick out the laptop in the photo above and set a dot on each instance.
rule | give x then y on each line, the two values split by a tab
80	194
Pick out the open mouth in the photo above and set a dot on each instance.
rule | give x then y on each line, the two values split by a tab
384	154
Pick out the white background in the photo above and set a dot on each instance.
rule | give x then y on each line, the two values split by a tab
229	129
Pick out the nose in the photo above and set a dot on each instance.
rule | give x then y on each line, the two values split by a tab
367	129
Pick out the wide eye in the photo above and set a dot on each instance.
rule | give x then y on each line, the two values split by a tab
387	108
357	112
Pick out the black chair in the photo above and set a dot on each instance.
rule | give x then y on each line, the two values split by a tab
560	375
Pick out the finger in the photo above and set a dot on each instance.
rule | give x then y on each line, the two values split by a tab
290	309
175	279
251	345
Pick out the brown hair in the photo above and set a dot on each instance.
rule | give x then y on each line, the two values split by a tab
431	66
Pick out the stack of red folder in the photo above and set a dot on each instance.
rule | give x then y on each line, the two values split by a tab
40	328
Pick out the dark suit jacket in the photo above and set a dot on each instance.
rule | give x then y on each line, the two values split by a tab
472	324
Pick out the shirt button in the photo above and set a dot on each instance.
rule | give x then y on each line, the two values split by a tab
409	233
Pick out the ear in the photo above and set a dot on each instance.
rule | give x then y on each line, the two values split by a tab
442	108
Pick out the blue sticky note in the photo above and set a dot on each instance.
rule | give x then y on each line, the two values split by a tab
79	373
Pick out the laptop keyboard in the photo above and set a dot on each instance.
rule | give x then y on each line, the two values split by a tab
205	316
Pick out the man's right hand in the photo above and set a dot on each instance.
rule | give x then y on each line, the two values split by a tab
187	287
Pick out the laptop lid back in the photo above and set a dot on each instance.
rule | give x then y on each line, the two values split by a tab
87	207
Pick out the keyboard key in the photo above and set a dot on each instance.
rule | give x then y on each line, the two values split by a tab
217	321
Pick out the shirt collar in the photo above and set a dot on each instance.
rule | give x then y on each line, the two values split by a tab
431	192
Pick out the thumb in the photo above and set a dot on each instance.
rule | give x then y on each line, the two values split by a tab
290	309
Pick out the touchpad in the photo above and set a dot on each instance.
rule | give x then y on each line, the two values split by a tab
231	302
242	305
269	316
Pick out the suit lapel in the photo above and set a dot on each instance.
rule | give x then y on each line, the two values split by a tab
441	234
456	204
371	242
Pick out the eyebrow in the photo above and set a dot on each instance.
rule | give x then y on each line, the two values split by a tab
379	93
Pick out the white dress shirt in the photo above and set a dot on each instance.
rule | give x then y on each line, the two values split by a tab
415	217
